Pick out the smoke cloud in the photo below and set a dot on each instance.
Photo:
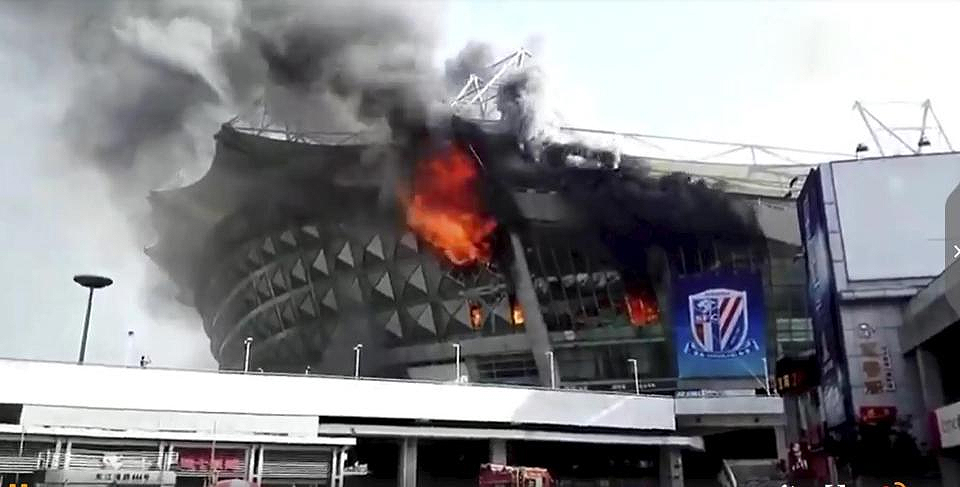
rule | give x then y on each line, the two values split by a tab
154	80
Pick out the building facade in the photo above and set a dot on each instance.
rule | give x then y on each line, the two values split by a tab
285	243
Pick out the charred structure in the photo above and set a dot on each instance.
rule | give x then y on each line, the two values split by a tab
453	233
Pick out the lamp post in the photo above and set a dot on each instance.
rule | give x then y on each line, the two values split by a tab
90	282
356	360
636	375
456	347
766	376
553	374
246	353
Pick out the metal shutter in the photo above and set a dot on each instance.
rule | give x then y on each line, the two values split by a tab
297	464
89	457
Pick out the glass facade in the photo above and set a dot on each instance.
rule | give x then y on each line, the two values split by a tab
585	303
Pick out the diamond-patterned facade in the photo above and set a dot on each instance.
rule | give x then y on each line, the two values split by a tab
375	248
422	315
345	256
320	263
309	275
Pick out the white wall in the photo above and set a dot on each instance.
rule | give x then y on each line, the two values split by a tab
948	420
892	214
212	423
884	318
59	384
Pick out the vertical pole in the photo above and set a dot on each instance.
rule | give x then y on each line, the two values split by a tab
23	433
553	371
356	360
86	328
766	375
456	346
246	354
636	376
213	455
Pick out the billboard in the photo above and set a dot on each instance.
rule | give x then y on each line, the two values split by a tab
891	212
821	296
719	325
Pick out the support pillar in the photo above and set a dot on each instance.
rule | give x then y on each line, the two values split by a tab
671	467
250	455
55	463
407	463
259	466
535	328
498	451
68	452
780	435
931	384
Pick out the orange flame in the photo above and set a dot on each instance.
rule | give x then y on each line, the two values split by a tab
476	316
517	313
445	208
642	307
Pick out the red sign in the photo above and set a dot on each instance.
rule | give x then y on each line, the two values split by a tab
877	414
204	460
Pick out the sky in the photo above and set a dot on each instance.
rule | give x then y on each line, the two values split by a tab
759	72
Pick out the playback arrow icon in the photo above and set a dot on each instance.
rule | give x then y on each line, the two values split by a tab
956	251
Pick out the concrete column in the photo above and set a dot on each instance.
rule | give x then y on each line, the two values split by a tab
498	451
671	467
250	455
780	433
55	464
68	452
536	329
931	385
259	467
407	463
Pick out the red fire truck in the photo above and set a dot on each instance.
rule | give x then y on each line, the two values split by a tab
493	475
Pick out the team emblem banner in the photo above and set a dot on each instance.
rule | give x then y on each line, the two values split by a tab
719	322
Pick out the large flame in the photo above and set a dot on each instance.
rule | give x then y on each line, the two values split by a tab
445	208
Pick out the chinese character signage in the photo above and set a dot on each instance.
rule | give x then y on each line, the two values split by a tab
719	325
203	460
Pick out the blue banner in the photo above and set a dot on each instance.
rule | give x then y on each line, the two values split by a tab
719	325
824	314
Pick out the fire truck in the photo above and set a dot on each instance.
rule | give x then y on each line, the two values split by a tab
493	475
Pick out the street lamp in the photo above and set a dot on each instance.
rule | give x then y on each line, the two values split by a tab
636	375
553	374
91	282
246	353
456	347
356	360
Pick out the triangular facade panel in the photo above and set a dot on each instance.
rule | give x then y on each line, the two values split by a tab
298	273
